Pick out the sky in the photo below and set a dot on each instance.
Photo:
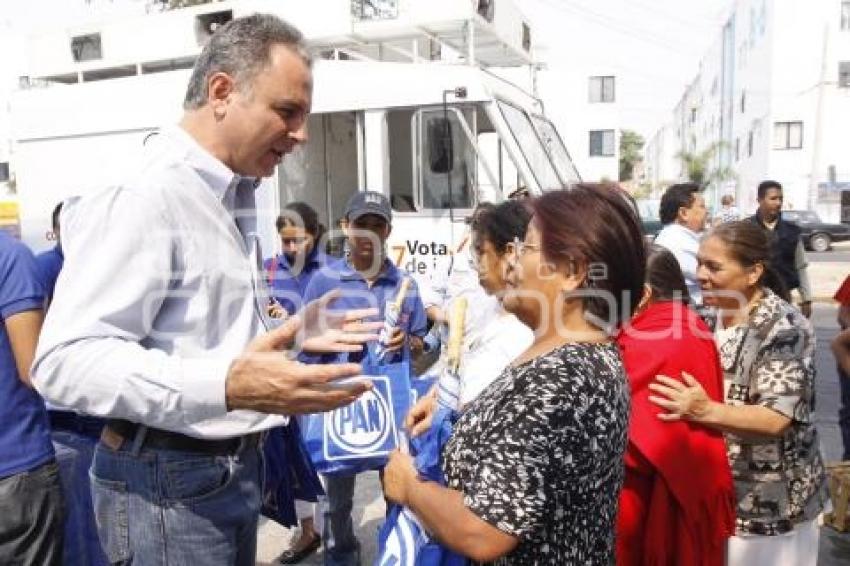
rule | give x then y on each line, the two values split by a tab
653	46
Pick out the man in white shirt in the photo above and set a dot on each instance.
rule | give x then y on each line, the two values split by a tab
683	213
159	317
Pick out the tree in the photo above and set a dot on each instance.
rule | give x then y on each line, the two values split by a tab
698	169
631	144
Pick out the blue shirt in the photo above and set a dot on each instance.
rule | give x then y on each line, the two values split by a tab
356	294
24	428
49	265
287	287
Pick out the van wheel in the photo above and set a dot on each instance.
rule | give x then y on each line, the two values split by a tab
819	242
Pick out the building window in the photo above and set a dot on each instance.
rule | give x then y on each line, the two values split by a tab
485	9
787	135
602	143
743	101
750	144
737	149
693	115
845	15
86	47
601	89
844	74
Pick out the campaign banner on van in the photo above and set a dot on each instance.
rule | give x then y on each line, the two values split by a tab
361	435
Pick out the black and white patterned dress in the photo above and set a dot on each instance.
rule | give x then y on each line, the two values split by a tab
769	361
539	455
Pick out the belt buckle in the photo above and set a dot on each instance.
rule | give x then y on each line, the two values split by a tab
111	439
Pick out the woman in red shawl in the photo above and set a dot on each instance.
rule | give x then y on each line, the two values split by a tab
677	506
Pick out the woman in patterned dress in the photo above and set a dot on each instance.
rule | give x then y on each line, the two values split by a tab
535	463
767	354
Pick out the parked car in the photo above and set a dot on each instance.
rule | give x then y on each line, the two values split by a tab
817	236
648	211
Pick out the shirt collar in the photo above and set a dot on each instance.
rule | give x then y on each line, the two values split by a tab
315	257
685	231
218	176
389	272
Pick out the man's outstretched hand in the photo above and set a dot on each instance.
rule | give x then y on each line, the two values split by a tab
263	379
329	331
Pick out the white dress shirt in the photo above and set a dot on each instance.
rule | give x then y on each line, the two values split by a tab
159	292
684	243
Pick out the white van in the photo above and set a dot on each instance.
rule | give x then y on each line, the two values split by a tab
436	133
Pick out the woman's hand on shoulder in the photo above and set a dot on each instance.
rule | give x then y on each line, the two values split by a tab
683	400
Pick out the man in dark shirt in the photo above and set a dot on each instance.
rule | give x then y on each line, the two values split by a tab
786	246
30	495
50	262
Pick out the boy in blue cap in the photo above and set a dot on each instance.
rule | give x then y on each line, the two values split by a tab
365	278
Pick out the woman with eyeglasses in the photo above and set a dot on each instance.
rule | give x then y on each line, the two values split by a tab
767	353
493	337
535	464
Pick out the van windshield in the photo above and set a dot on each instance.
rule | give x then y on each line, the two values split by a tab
528	141
557	150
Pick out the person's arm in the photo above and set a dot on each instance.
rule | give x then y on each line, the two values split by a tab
487	520
122	260
443	513
776	405
841	350
21	305
23	329
688	401
805	289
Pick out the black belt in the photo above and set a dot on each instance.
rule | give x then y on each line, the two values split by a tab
167	440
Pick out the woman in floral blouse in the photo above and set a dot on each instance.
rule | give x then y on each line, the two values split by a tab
767	354
535	463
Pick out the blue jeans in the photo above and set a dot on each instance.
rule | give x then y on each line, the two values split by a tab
158	507
341	545
844	411
74	453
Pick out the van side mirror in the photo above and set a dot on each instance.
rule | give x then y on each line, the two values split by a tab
440	154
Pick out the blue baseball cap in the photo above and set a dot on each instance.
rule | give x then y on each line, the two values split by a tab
368	202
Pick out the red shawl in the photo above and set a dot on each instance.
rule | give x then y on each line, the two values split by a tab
678	503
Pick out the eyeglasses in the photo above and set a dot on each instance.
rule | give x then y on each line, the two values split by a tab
522	248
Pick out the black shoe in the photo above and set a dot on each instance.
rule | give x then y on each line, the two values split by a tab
289	556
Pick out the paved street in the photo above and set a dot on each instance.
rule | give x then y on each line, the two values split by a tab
834	548
840	253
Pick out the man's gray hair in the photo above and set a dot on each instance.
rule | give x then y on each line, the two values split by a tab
241	48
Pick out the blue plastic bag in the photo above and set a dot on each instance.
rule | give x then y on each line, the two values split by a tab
361	435
402	540
420	386
290	474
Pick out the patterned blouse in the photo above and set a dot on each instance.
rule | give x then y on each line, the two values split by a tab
539	455
770	362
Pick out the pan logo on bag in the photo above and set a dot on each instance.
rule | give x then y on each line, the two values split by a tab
364	427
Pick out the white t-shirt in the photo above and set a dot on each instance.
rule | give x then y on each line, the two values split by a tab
500	343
